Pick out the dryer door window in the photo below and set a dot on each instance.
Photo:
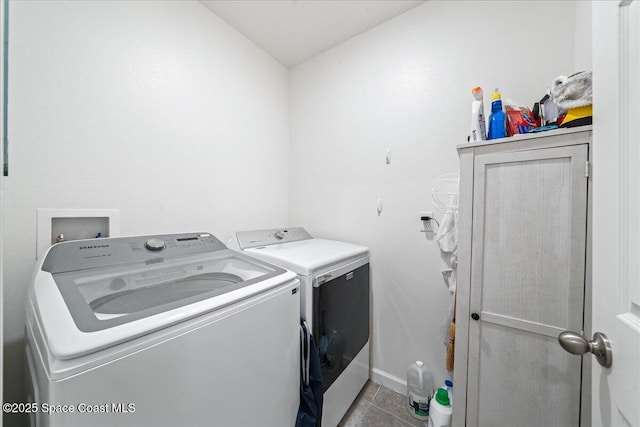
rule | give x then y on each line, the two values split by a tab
341	321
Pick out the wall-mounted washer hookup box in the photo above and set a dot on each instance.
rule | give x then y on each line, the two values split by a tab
74	224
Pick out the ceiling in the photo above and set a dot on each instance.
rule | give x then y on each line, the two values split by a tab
293	31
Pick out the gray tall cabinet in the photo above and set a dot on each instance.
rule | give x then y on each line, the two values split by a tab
523	277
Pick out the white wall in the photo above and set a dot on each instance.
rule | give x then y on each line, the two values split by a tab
158	109
406	85
583	35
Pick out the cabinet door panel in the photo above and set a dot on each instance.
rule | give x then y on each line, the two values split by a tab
523	377
527	237
527	283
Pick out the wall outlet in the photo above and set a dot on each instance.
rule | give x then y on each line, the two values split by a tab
427	225
426	213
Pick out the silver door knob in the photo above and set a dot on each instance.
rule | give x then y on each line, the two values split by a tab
576	343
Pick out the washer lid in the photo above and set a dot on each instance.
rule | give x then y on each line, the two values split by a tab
105	297
306	256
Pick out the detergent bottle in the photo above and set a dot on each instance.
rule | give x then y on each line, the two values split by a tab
448	385
497	119
440	410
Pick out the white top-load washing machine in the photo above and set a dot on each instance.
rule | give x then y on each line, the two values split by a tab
334	278
170	330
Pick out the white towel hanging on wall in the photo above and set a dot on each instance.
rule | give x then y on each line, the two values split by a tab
447	239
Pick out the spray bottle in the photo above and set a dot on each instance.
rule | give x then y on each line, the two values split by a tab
478	128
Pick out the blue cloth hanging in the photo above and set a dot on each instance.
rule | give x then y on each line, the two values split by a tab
310	409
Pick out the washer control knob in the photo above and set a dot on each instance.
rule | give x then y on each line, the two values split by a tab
155	244
278	235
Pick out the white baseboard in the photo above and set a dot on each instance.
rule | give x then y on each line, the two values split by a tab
390	381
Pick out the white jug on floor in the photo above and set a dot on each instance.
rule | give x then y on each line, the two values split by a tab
419	390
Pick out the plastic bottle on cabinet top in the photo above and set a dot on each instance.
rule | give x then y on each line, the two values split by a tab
419	390
440	409
478	126
497	118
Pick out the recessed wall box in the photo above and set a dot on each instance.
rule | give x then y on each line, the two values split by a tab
55	225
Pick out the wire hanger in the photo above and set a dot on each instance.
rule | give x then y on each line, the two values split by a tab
445	193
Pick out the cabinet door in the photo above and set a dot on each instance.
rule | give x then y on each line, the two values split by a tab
527	286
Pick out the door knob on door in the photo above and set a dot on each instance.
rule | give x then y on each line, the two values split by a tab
600	346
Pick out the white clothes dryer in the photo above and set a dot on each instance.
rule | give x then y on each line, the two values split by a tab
334	279
161	331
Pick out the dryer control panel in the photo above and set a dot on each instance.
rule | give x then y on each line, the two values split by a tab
274	236
76	255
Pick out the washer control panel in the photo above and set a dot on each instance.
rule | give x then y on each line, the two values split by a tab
93	253
256	238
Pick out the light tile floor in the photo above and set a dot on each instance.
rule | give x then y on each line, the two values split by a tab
378	406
